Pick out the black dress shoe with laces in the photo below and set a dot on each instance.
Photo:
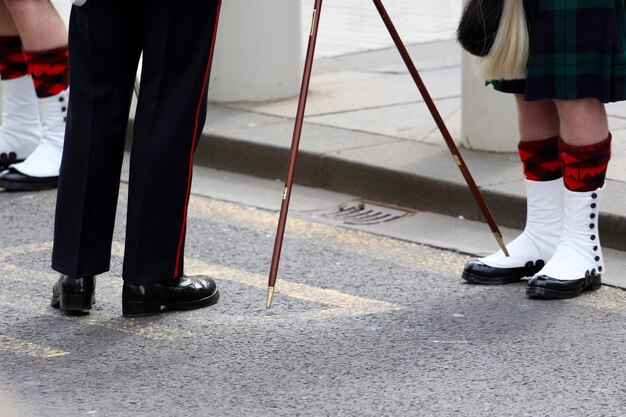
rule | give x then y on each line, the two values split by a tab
13	180
74	294
186	293
477	272
543	286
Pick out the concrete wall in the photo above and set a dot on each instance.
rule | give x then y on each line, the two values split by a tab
258	52
488	118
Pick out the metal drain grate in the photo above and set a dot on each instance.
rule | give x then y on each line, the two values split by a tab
359	213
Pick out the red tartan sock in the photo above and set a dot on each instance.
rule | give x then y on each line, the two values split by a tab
584	167
12	60
540	159
49	70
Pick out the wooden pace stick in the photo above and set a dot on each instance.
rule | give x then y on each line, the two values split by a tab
293	154
440	123
298	132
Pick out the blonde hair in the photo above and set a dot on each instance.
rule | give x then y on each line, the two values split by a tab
508	56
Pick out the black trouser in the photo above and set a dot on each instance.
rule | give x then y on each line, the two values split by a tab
106	40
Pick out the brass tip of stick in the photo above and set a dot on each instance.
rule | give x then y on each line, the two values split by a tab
501	243
270	295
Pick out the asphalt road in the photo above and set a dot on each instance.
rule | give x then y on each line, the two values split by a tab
362	325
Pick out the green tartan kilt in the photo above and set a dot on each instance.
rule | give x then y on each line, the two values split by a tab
577	50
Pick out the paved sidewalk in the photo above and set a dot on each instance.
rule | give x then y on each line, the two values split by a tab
350	26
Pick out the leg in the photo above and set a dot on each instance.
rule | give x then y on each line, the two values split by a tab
20	133
38	24
7	24
537	120
170	115
583	122
45	48
585	150
104	45
538	150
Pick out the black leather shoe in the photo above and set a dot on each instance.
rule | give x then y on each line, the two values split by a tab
187	293
13	180
477	272
74	294
543	286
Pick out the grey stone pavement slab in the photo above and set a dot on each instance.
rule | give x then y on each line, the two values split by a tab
349	26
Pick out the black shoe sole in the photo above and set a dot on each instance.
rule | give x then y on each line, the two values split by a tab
73	302
479	279
555	294
25	186
151	308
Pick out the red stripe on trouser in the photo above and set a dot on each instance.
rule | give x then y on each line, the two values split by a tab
12	59
194	140
49	70
584	167
540	159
